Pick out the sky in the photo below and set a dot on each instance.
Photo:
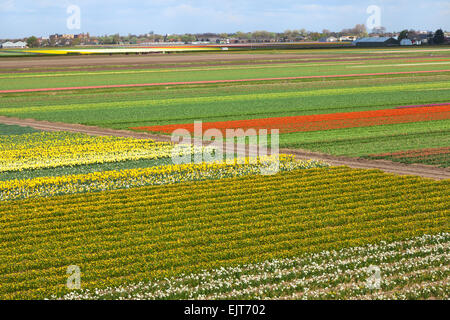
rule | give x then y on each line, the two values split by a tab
23	18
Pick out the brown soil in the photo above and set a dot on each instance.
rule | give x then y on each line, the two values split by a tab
79	61
179	58
135	63
384	165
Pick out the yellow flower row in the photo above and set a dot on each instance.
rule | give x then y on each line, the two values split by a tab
120	179
48	150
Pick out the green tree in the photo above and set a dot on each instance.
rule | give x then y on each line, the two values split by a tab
32	42
360	30
403	35
439	37
186	38
262	35
291	34
243	36
314	36
116	39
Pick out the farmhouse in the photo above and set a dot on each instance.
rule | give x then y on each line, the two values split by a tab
13	45
348	38
328	39
376	42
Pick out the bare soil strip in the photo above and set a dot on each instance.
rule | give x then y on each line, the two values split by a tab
276	60
155	84
78	61
384	165
158	58
78	128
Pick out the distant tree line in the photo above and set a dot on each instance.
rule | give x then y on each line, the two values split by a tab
358	30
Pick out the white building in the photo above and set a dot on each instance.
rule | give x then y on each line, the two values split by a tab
14	45
348	38
406	42
328	39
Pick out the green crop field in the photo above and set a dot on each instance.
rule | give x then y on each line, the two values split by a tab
14	130
246	105
124	108
93	78
369	140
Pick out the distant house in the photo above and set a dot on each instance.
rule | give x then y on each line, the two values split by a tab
420	38
406	42
213	40
328	39
348	38
376	42
14	45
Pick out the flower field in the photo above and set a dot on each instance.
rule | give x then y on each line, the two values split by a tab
406	268
46	150
139	226
156	175
216	74
323	121
330	107
129	236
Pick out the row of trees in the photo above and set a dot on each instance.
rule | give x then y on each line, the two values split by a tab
289	35
259	35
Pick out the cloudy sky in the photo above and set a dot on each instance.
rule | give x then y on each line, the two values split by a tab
20	18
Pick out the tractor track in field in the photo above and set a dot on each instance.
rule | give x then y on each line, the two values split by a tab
425	171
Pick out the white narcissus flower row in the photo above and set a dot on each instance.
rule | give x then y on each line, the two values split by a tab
415	268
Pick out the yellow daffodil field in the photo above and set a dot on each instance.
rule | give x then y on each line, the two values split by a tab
57	149
151	233
128	178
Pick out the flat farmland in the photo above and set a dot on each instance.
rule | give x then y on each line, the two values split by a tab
88	177
213	73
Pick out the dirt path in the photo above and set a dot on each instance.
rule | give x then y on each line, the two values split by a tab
384	165
78	128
